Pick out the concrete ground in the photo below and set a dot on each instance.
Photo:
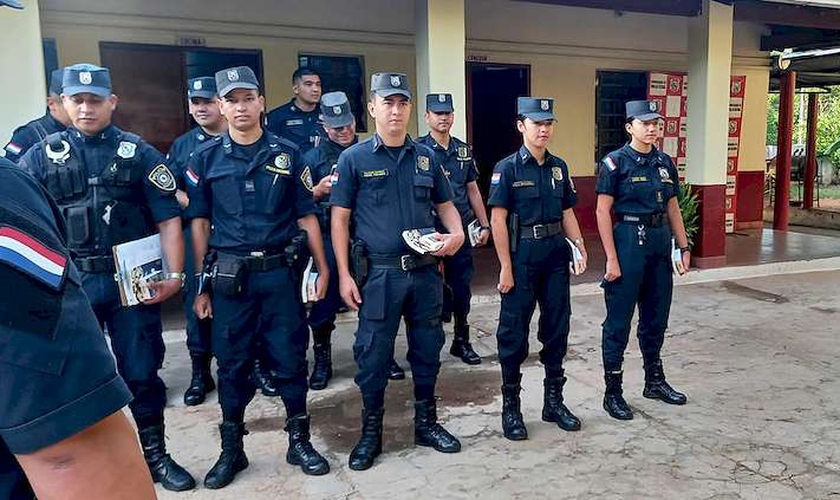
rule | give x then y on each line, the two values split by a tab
757	358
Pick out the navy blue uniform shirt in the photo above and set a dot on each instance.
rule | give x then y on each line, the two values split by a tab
301	127
182	149
252	201
322	162
537	193
640	184
388	195
26	136
58	375
459	167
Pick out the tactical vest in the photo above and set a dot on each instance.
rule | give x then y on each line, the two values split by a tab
102	209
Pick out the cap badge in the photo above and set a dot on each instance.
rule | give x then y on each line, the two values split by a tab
441	98
336	110
85	78
197	85
544	105
395	81
652	106
126	150
233	75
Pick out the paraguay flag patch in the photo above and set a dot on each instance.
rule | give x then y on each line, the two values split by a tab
496	178
13	148
192	177
609	163
31	257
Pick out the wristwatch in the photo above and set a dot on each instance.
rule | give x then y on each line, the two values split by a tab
176	276
685	249
578	242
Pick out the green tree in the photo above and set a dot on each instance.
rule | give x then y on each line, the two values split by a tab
828	123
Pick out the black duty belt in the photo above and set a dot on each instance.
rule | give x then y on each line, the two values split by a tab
260	261
406	262
540	231
649	220
95	264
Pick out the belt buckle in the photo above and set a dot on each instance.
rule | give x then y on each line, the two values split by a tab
540	231
258	254
406	262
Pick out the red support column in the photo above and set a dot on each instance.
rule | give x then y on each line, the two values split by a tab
781	210
811	152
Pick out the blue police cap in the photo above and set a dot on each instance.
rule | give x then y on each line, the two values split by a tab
388	84
538	109
336	110
439	103
643	110
12	3
203	86
86	79
240	77
56	80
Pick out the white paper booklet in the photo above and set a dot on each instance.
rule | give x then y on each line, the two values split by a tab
473	232
308	284
676	259
422	240
138	264
576	262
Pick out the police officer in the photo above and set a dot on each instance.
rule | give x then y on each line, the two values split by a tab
456	158
204	108
112	188
54	120
387	184
299	119
251	188
640	184
533	197
340	127
61	395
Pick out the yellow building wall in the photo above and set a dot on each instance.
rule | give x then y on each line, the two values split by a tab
564	46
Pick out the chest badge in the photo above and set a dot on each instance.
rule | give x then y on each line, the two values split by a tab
161	177
663	172
423	163
282	164
126	150
557	173
463	153
113	168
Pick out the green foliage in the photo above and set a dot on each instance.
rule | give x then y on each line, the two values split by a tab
828	122
690	208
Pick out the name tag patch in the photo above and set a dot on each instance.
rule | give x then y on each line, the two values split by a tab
639	179
292	123
521	184
368	174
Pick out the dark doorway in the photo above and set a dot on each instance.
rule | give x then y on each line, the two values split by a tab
492	90
151	82
612	90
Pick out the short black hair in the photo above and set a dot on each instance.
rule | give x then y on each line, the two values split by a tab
301	72
521	118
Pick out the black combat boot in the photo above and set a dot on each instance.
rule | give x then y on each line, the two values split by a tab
553	408
232	461
657	388
370	443
614	401
427	432
461	347
265	380
201	383
322	371
395	371
301	451
164	469
512	422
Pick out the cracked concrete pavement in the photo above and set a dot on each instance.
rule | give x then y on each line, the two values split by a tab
755	356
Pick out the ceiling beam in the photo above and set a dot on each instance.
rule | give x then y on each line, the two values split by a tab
784	37
668	7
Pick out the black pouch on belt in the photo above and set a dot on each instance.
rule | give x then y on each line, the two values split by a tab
229	275
359	265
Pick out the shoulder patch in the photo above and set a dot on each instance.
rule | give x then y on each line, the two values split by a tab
161	177
610	163
31	257
306	179
496	178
